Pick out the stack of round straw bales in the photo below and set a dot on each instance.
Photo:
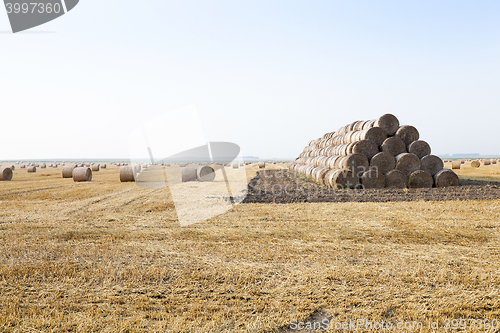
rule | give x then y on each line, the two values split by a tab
375	154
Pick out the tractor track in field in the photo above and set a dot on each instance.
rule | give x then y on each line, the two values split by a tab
35	190
282	186
112	199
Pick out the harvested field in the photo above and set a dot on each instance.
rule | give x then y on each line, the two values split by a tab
110	256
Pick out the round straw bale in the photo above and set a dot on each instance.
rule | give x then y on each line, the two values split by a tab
235	165
383	162
420	179
407	163
487	162
445	178
103	166
376	134
82	174
95	167
342	178
492	162
136	168
388	122
365	147
432	164
205	173
408	134
188	174
393	146
373	179
395	179
456	164
43	166
14	168
419	148
32	168
262	165
357	163
22	166
67	172
475	164
127	174
5	174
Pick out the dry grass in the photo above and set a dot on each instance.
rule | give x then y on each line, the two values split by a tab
108	256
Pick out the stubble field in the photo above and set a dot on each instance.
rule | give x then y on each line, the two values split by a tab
112	257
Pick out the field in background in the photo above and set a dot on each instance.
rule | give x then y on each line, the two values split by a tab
111	256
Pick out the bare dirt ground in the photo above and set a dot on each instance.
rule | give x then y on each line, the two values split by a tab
281	186
112	257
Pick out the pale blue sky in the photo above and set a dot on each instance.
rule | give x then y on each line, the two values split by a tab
267	75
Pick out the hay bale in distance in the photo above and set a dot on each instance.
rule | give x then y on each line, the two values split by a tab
5	174
95	167
82	174
407	163
32	168
486	162
395	179
262	165
475	164
188	174
127	174
393	146
205	174
67	172
383	162
432	164
420	179
236	165
445	178
419	148
456	164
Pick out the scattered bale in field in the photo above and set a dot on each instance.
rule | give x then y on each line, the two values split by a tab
456	164
188	174
492	162
486	162
32	168
384	162
407	163
13	168
103	166
389	123
445	178
67	172
366	147
136	168
183	165
87	165
262	165
393	146
395	179
462	161
5	174
205	174
82	174
22	166
419	148
432	164
420	179
408	134
95	167
373	179
127	174
475	164
342	179
43	166
235	165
